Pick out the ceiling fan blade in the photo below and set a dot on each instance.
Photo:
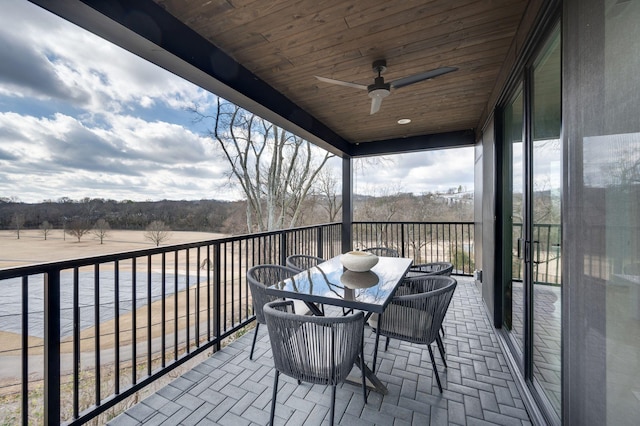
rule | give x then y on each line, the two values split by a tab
375	104
342	83
401	82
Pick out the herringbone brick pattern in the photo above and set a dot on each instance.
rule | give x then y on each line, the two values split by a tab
230	389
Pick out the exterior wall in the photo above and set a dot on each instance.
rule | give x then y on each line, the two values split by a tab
601	212
485	214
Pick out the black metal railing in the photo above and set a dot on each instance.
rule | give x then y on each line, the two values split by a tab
423	241
94	331
91	332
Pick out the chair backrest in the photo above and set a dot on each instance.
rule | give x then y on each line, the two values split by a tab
261	276
383	251
302	262
418	308
314	349
434	268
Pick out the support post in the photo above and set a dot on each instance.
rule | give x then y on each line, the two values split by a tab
347	204
319	241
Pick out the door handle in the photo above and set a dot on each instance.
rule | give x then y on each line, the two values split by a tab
519	249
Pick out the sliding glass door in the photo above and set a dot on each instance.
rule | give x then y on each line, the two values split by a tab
531	225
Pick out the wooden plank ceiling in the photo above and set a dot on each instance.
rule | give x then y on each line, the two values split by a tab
287	43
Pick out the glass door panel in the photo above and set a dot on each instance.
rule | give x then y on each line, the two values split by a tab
513	314
546	231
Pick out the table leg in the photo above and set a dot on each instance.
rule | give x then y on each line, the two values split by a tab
373	383
315	310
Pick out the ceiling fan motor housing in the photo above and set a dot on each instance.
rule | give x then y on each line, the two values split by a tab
379	86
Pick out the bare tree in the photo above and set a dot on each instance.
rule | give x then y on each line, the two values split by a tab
328	189
157	232
101	229
17	222
45	228
78	228
275	169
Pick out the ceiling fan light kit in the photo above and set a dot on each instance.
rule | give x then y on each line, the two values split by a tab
377	95
380	90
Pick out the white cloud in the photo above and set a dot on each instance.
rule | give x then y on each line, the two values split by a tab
80	117
418	172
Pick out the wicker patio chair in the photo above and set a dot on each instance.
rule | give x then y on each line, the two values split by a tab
434	268
314	349
383	251
259	277
415	314
302	262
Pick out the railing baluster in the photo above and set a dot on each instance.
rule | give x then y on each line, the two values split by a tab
76	343
209	267
198	287
319	247
216	294
247	306
240	296
52	347
134	323
175	305
283	248
149	319
223	283
116	318
226	287
25	353
96	326
233	281
187	291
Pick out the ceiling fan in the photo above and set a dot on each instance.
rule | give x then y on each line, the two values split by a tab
380	90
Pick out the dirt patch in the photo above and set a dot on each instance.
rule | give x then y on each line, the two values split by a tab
33	248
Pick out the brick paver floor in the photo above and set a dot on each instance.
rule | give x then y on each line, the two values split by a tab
230	389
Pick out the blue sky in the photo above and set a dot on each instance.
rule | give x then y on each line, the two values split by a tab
80	117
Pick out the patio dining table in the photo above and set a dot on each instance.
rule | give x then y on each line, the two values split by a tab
329	283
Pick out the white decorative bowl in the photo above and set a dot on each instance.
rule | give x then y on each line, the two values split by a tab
359	261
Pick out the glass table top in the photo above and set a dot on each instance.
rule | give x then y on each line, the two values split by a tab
330	283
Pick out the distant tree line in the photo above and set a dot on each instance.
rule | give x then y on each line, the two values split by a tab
100	215
201	215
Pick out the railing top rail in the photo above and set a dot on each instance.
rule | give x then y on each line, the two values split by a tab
412	223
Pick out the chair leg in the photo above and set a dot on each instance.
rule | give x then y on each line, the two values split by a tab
364	379
375	350
442	352
386	345
435	369
273	398
333	404
255	336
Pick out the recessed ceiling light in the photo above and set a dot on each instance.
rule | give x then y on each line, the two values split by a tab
404	121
